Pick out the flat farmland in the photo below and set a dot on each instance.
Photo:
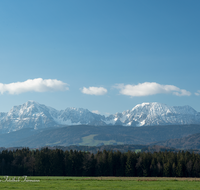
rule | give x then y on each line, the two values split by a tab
102	183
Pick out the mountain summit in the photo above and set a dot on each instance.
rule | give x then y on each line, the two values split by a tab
157	114
38	116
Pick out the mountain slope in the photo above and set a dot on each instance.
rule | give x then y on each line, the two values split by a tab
38	116
156	114
28	115
97	135
189	142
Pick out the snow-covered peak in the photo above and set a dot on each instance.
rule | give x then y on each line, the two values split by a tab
147	105
27	109
34	115
156	108
156	114
141	105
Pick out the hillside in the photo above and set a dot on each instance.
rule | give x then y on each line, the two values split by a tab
189	142
85	135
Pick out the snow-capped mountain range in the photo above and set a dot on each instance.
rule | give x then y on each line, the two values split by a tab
38	116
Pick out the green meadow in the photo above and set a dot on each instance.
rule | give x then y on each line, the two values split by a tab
102	183
90	141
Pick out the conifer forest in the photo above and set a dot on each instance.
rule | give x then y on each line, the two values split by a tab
46	162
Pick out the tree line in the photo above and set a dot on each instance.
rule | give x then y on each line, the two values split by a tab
47	162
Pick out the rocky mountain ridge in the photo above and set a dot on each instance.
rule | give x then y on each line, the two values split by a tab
38	116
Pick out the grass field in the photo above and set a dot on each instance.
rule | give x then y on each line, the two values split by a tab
89	141
102	183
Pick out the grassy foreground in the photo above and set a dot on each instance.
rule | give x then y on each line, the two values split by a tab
102	183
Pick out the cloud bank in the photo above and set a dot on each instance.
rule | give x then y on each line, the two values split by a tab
34	85
150	88
94	90
197	93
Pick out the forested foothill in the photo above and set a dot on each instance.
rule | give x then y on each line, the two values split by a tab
85	135
56	162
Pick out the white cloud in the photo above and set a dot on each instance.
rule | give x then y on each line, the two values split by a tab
33	85
96	111
150	88
197	93
94	90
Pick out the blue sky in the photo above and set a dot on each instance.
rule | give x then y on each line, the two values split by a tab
105	55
